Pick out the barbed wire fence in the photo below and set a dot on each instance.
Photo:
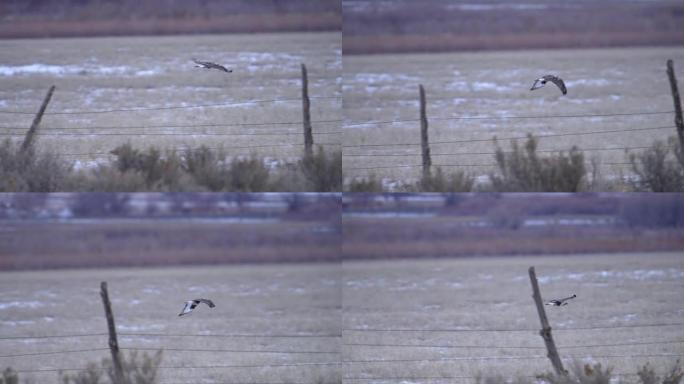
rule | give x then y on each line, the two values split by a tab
335	354
194	131
423	149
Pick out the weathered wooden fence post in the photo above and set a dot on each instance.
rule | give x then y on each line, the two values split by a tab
28	139
679	122
306	105
113	343
424	144
546	329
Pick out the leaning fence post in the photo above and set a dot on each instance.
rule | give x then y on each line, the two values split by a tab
113	344
424	144
546	329
679	122
308	136
28	139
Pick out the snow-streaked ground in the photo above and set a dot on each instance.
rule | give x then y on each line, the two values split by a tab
101	74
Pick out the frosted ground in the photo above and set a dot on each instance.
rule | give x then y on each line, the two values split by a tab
96	74
496	84
300	300
494	293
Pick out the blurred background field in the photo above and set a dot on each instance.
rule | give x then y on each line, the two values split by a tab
485	224
434	25
117	230
151	17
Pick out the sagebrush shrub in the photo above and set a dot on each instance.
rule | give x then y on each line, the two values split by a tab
29	170
523	170
438	181
368	184
659	168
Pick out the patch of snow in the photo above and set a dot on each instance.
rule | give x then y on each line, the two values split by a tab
21	304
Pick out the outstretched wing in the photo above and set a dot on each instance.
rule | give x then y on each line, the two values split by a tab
210	65
207	302
537	84
218	66
189	306
200	63
558	81
567	298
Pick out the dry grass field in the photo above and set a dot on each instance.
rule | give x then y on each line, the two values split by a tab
156	75
384	88
461	296
297	301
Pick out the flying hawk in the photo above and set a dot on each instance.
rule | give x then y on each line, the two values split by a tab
191	304
210	65
559	302
540	82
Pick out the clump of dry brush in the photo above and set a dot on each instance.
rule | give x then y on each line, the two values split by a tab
137	369
659	168
523	170
194	170
593	374
24	170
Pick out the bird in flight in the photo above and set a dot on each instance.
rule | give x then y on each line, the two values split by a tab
559	302
210	65
191	304
540	82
